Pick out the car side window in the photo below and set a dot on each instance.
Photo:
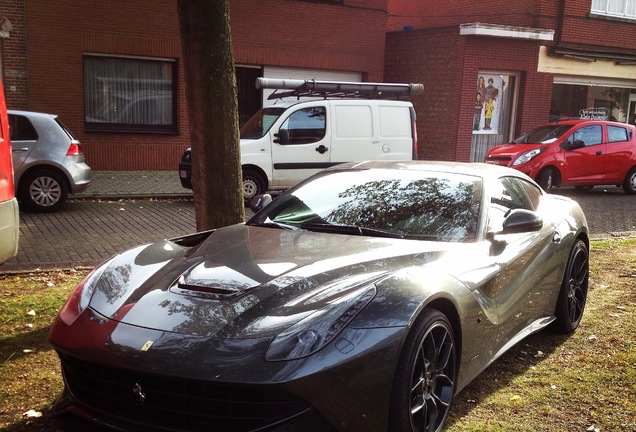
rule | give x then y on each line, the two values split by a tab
21	129
617	134
304	126
590	135
510	193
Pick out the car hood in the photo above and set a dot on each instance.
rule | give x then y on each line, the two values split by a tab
512	150
245	281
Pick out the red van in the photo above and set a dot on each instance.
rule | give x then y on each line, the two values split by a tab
9	216
580	153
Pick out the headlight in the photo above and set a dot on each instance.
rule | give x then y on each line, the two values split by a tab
81	297
321	327
527	156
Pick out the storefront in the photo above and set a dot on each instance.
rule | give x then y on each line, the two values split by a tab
585	85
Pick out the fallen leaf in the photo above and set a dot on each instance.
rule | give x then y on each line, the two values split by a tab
31	312
33	413
539	354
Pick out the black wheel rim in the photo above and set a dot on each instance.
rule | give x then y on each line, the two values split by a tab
433	376
577	286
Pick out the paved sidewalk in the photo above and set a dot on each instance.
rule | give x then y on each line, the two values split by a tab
135	184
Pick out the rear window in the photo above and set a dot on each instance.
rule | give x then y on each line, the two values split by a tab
21	129
617	133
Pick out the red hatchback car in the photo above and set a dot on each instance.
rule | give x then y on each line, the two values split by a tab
581	153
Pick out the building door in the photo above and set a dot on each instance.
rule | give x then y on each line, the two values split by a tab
495	104
631	110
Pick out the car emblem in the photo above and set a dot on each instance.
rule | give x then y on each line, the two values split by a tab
138	391
147	346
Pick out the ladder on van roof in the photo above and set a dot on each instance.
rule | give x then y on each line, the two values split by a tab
334	89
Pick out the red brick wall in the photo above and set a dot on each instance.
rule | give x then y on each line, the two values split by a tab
348	36
581	28
448	64
14	52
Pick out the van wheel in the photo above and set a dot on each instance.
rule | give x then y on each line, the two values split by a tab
629	185
253	184
547	178
42	190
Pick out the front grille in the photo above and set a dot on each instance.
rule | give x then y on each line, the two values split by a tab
167	403
499	160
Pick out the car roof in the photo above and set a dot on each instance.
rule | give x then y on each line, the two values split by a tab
31	113
570	121
468	168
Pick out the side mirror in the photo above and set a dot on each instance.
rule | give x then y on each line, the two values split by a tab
569	145
521	220
282	137
260	201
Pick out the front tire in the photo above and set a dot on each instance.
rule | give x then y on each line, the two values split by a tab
425	377
629	185
253	184
42	190
573	294
547	178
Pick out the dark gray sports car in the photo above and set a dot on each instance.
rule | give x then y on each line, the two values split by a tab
363	299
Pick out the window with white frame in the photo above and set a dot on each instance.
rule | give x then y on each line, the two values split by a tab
123	94
615	8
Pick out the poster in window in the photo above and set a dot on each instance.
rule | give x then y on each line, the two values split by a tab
487	107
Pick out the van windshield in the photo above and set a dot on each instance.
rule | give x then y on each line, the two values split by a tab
258	125
543	135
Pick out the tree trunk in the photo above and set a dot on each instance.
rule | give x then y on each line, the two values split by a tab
211	95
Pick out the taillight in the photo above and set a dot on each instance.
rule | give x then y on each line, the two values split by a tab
415	155
75	149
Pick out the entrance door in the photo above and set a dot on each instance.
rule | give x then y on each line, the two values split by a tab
494	112
631	110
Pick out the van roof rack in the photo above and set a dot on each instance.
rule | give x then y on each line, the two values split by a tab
333	89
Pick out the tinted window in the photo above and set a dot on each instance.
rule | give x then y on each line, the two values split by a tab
416	205
511	193
20	128
617	133
590	135
306	125
258	125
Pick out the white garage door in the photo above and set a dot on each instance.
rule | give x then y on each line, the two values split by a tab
305	74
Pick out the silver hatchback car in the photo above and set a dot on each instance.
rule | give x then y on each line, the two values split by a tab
48	161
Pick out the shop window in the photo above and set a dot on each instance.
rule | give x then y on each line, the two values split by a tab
578	101
615	8
129	95
493	104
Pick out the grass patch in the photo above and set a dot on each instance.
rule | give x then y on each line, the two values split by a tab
548	382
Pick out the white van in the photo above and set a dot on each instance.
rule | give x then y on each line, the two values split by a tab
285	143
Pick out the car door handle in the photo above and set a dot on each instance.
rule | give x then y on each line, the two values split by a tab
321	149
556	238
598	153
23	149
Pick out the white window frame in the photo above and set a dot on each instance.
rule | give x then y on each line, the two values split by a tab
615	8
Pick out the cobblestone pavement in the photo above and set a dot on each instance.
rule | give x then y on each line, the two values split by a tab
123	209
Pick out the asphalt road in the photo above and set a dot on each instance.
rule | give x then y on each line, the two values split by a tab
85	232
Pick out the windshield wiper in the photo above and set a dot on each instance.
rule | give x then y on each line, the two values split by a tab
271	224
349	229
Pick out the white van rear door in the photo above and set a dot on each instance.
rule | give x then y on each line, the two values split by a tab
300	146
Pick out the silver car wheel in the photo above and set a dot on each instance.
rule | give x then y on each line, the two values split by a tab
43	190
629	186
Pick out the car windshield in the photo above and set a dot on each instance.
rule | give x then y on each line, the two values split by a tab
258	125
407	204
544	134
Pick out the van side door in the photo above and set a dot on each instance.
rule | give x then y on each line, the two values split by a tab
301	146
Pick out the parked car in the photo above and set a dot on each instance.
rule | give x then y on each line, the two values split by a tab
581	153
362	299
48	160
9	214
285	143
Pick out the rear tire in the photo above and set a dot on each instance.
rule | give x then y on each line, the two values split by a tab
629	185
424	383
43	190
573	294
253	184
547	178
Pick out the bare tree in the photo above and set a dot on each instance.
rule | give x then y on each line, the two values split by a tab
211	95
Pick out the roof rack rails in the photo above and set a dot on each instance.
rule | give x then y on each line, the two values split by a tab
332	89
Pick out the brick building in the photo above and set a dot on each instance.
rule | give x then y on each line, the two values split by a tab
547	59
112	70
